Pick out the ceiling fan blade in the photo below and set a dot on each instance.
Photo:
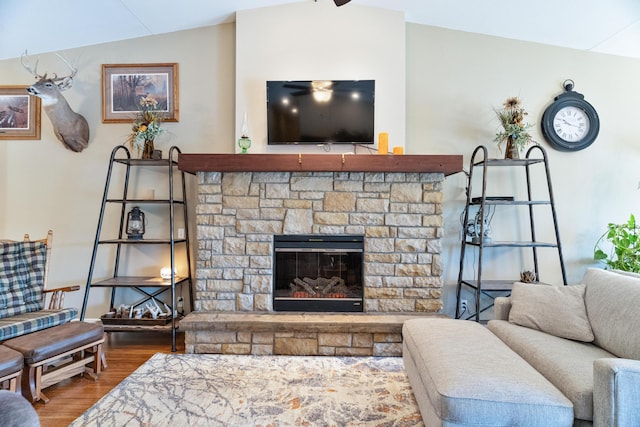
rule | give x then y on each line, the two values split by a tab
341	2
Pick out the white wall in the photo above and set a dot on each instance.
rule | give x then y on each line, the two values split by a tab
453	80
318	41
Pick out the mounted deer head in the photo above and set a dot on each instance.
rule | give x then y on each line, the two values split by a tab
70	127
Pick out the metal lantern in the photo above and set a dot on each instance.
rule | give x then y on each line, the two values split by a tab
135	224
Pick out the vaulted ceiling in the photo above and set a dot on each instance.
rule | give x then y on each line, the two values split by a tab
611	26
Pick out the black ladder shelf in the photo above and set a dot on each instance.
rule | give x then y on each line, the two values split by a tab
150	287
480	285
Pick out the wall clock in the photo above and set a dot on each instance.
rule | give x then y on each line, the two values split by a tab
570	123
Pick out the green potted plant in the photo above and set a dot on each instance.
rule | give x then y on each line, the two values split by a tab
625	246
515	132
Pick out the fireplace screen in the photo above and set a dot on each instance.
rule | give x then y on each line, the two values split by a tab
318	273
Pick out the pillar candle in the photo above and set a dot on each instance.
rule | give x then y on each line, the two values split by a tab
383	143
398	150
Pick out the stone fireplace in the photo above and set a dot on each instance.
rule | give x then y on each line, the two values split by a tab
398	214
395	207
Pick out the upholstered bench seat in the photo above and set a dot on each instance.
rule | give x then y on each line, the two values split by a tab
11	363
463	375
58	344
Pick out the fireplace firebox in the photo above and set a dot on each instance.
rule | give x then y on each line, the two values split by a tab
318	273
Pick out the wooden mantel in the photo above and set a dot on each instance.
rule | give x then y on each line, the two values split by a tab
446	164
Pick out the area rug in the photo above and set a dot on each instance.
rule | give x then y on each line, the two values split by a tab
259	391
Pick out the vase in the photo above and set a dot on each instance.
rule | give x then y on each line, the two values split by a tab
147	149
244	143
511	151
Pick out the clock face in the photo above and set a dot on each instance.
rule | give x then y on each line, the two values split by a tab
571	124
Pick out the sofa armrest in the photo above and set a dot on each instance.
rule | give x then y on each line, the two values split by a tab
501	308
57	296
616	392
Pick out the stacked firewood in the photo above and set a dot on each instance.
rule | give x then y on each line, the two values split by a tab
319	287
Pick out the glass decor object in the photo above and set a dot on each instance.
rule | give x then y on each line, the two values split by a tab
244	142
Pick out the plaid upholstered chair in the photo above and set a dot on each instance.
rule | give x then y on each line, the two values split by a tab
23	289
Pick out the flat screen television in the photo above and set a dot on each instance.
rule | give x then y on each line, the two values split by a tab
320	112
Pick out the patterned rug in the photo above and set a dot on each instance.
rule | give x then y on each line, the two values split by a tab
259	391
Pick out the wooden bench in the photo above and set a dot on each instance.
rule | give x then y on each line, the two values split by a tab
54	354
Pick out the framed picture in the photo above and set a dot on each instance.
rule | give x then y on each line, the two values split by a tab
123	85
19	113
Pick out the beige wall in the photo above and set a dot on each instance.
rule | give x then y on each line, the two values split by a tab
453	79
4	184
45	186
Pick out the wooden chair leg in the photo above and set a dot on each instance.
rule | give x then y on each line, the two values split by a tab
32	385
97	359
29	388
102	356
92	369
15	385
104	360
40	394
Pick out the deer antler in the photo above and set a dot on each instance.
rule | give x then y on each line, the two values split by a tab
24	59
63	83
67	81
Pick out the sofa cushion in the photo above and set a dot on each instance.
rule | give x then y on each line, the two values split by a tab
22	269
34	321
612	301
566	363
463	375
556	310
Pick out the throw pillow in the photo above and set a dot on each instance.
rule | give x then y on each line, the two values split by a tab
22	266
556	310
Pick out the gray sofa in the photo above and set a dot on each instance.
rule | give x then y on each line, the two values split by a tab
554	356
585	339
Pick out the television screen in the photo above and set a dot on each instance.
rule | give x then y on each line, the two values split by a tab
320	112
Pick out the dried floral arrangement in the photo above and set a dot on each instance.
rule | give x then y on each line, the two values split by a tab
514	129
146	126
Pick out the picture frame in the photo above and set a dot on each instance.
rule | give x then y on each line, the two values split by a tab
124	84
19	113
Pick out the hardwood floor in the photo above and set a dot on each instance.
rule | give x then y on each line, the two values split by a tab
125	352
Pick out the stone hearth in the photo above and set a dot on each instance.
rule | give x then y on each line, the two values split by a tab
309	334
